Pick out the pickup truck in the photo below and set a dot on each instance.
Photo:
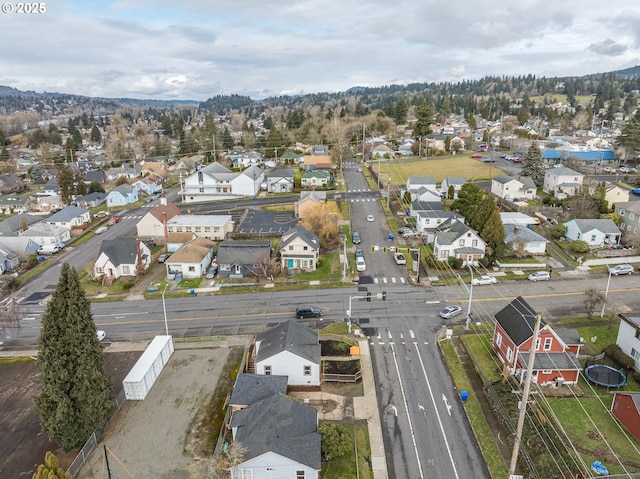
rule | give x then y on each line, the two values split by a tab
636	191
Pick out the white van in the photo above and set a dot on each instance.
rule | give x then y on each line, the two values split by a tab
49	249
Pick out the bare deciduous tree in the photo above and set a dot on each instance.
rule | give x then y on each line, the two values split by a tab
593	299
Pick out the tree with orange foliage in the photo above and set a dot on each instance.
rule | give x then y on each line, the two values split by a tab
322	220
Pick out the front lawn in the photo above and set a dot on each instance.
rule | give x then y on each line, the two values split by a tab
596	338
357	461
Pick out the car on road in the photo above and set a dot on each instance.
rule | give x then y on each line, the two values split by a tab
621	269
539	276
114	220
308	312
488	160
480	280
517	160
450	312
359	253
476	155
359	169
163	257
101	334
636	191
370	218
361	265
102	229
399	258
355	237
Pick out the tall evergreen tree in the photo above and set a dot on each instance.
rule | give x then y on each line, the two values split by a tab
424	115
493	232
532	164
65	183
630	137
96	136
482	213
469	197
76	392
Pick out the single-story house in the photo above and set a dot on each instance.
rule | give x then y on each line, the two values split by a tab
47	234
91	200
70	217
122	195
280	180
213	227
192	259
237	259
525	239
597	233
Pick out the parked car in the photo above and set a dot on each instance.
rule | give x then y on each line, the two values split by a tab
49	249
624	169
399	258
359	253
476	156
480	280
539	276
621	269
517	160
114	220
636	191
361	265
450	312
163	257
355	237
102	229
370	218
404	229
211	272
608	169
101	334
308	312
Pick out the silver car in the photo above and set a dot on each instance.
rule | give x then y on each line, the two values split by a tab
621	269
450	312
539	276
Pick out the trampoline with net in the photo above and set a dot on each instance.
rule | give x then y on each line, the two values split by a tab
606	376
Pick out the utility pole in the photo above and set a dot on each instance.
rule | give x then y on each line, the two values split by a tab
525	397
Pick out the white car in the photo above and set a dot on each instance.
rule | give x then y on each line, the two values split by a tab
101	334
370	218
480	280
450	312
624	169
399	258
360	264
539	276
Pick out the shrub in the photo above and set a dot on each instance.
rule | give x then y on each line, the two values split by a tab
579	246
619	357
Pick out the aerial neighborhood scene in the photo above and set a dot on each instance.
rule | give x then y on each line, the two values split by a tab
320	240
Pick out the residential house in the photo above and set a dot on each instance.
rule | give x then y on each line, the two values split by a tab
317	162
629	337
429	216
212	227
299	250
251	388
13	225
15	250
280	439
292	158
382	151
308	199
315	179
562	182
176	240
186	165
626	409
289	349
237	259
122	195
417	207
125	171
70	217
455	239
244	158
98	176
49	203
10	183
192	259
47	234
12	204
319	150
51	188
524	239
280	180
615	194
121	257
216	182
597	233
422	188
91	200
152	227
452	181
630	214
147	185
513	188
518	219
555	355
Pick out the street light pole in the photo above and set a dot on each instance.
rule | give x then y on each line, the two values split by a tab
164	309
470	299
604	303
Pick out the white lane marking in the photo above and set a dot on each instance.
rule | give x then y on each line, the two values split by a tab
433	401
406	407
446	403
412	334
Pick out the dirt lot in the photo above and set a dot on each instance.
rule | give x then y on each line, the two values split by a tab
22	443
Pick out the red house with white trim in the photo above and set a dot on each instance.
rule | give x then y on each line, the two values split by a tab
626	409
555	352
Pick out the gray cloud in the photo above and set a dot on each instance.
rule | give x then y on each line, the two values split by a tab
608	47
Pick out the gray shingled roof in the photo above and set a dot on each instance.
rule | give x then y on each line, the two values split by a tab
603	225
299	232
522	233
251	388
120	250
289	336
552	361
563	171
518	320
13	225
450	231
280	425
242	252
66	214
215	168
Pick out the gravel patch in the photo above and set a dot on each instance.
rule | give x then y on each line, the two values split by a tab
147	438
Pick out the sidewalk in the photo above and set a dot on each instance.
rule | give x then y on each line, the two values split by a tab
366	407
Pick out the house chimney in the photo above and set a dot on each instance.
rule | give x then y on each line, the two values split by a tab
516	229
163	200
164	224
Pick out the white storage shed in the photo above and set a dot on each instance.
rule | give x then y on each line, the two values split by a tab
145	372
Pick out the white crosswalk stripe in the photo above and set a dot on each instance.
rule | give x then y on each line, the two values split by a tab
385	280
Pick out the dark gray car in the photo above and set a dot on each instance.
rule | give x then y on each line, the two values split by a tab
308	312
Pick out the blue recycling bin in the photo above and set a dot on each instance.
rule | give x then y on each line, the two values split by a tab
391	237
464	395
192	291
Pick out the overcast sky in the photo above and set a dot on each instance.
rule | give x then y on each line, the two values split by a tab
196	49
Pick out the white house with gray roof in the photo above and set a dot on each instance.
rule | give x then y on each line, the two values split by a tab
513	188
47	234
280	437
422	188
290	349
121	257
562	182
455	239
212	227
525	239
70	217
280	180
597	233
456	182
216	182
122	195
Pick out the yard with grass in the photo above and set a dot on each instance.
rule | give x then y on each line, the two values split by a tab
357	461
